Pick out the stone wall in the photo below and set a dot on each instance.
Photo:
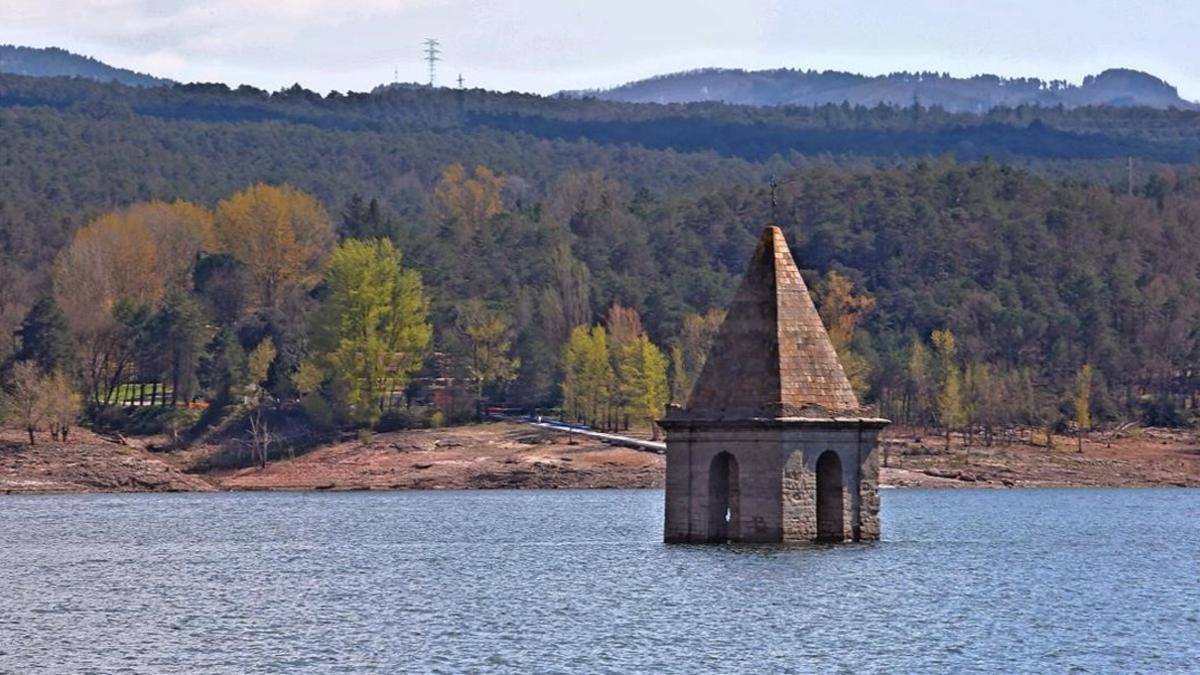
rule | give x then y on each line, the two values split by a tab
689	459
778	483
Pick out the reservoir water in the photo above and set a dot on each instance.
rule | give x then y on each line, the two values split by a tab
578	581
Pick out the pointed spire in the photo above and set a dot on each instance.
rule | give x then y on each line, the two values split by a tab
772	357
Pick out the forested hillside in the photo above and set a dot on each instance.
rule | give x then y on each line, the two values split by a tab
526	220
1114	87
55	62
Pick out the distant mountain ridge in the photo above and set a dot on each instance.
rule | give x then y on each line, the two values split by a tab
55	62
1114	87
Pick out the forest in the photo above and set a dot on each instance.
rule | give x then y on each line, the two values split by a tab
409	256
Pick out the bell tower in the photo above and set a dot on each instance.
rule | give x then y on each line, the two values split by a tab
772	445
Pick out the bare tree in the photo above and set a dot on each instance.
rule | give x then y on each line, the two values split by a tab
61	406
26	400
260	437
259	366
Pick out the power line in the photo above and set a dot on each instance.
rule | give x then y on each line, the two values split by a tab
431	55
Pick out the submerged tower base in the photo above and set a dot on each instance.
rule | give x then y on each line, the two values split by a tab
772	445
772	480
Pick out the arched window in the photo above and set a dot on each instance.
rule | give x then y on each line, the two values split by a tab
723	498
831	524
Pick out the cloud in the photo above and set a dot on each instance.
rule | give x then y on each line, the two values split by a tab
162	62
202	27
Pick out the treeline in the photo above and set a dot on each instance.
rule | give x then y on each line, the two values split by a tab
567	300
160	310
409	107
163	304
529	239
71	150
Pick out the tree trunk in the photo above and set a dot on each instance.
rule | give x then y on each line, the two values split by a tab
32	440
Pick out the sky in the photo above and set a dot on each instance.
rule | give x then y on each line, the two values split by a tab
545	46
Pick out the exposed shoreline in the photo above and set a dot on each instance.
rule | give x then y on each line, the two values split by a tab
508	455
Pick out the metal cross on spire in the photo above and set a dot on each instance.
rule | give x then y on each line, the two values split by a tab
774	184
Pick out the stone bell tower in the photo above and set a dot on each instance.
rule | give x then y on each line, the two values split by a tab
772	445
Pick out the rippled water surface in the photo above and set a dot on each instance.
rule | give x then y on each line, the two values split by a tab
556	581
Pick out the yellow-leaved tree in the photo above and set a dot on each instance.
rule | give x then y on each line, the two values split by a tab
950	411
588	378
841	309
281	234
372	330
465	201
1083	401
642	375
181	231
125	259
690	352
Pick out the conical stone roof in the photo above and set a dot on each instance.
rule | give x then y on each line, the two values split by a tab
772	357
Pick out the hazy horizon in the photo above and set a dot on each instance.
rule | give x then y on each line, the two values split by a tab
540	46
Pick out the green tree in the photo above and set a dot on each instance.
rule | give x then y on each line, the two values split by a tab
980	400
920	385
223	366
624	328
362	219
489	346
643	381
951	413
1083	402
588	375
182	331
46	337
372	331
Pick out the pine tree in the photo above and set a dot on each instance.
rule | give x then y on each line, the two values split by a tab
46	337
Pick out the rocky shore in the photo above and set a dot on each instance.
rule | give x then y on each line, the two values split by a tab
506	455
